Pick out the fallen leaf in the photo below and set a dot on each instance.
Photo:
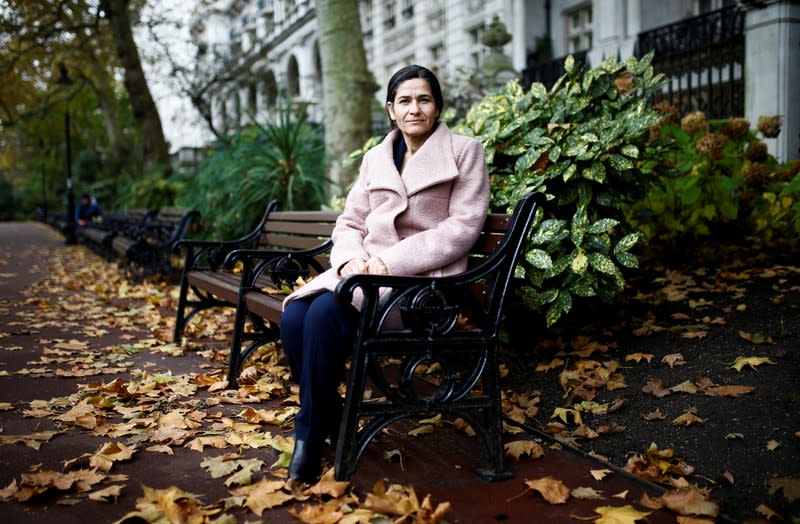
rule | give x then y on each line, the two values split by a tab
750	361
638	357
518	448
599	474
654	415
104	495
674	359
586	493
733	436
767	512
690	501
772	445
756	338
619	515
789	485
553	490
687	419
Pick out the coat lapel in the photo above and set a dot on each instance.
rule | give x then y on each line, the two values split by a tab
433	164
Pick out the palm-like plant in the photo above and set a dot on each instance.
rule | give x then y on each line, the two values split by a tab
278	160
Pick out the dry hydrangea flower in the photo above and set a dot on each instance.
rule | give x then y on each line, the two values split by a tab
735	127
756	151
711	145
756	175
694	123
770	126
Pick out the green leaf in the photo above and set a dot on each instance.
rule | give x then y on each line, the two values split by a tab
580	263
626	243
627	260
619	162
539	259
548	231
630	150
602	263
602	226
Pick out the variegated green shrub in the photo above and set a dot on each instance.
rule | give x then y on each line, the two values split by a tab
580	144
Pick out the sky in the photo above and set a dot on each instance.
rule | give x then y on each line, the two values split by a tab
182	124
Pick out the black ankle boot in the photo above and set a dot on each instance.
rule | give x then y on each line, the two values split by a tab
306	462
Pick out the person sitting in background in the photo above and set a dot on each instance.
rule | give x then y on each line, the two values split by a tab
87	210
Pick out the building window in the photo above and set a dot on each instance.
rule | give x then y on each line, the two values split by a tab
388	17
366	18
702	7
252	102
578	28
475	36
269	90
408	8
437	52
293	76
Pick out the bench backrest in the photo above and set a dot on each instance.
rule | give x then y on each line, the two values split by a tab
290	230
171	224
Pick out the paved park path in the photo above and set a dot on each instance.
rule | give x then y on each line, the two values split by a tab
37	315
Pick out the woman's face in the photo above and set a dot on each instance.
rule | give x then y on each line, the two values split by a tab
414	109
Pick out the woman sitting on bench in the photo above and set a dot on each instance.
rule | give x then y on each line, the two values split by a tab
418	205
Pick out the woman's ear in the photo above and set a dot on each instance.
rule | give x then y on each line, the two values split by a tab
390	110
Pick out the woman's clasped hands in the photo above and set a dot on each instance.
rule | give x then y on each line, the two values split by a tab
372	266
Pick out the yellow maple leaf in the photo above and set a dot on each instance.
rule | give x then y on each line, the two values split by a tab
638	357
553	364
553	490
519	448
564	413
599	474
687	419
750	361
619	515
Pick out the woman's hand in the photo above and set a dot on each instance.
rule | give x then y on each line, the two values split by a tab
357	265
373	266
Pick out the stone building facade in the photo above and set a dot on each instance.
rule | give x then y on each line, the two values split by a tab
277	45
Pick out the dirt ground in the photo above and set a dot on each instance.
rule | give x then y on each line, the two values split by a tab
675	335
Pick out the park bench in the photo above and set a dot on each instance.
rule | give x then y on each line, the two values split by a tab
444	354
203	271
149	247
99	235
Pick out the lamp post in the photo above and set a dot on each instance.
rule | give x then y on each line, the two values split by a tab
69	233
44	181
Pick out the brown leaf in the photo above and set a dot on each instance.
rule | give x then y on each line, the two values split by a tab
638	357
553	490
656	388
518	448
690	501
654	415
687	419
674	359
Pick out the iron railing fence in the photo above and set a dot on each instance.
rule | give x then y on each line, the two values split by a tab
548	72
703	59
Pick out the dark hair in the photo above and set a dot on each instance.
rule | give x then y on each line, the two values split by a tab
415	71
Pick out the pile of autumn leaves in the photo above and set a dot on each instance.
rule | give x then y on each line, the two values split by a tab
158	411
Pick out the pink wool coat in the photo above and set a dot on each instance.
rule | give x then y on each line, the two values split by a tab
421	223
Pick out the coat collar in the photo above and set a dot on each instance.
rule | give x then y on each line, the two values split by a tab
432	164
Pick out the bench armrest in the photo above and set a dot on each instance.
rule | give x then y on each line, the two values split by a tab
284	267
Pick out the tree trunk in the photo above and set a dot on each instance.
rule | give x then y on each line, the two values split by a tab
102	85
155	151
347	84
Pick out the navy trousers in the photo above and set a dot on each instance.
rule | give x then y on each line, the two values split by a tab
317	335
